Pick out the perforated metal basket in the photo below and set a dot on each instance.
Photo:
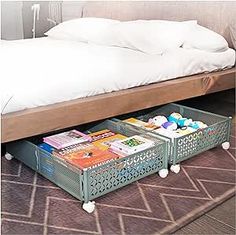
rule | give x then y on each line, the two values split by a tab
113	175
184	147
92	183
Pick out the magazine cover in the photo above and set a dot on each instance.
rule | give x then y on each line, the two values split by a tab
65	139
131	145
105	143
91	156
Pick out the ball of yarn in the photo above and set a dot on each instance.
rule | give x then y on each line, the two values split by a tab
198	125
174	117
158	120
172	126
184	122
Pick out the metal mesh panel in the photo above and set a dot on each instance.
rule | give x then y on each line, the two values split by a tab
60	173
92	183
187	112
201	140
184	147
109	177
25	152
69	179
46	165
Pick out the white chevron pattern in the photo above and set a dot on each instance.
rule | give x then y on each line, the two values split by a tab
155	202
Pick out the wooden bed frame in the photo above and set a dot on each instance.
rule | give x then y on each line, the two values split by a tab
35	121
44	119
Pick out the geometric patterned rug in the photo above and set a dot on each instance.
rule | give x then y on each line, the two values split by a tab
33	205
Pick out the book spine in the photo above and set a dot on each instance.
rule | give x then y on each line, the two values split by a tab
77	141
73	148
86	137
102	136
51	142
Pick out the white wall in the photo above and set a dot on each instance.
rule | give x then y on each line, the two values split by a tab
11	20
17	19
72	9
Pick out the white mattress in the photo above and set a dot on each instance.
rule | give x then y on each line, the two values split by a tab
43	71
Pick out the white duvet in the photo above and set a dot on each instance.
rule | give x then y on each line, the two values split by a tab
43	71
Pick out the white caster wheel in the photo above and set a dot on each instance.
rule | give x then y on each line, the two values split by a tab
225	145
89	206
163	173
8	156
175	168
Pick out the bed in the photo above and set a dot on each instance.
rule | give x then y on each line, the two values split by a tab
53	104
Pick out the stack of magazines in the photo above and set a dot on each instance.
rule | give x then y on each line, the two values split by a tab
91	150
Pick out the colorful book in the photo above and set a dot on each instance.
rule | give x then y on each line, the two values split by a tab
46	147
131	145
95	136
66	139
105	143
70	149
117	151
139	123
89	157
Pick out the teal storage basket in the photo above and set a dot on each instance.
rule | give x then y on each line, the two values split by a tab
89	184
184	147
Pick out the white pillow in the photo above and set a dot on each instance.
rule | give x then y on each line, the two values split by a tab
205	39
95	30
152	36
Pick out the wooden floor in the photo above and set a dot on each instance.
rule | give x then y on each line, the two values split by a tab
220	220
